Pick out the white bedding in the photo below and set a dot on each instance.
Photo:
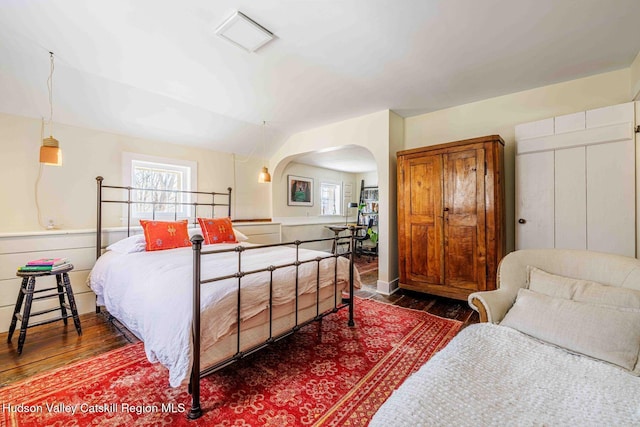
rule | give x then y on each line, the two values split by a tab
151	294
492	375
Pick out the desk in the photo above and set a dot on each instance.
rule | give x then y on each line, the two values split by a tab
337	229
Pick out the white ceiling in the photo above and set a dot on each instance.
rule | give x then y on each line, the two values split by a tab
155	68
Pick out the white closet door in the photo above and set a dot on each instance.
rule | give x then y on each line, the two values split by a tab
535	200
570	198
590	196
611	198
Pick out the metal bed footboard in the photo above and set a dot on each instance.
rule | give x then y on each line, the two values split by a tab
198	282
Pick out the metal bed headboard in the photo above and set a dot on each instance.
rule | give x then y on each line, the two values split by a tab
215	196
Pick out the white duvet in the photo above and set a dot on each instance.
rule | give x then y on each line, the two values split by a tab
151	294
491	375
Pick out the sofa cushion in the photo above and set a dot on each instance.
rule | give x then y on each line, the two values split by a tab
606	333
581	290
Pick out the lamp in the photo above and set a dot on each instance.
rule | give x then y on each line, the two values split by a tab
264	174
349	206
50	152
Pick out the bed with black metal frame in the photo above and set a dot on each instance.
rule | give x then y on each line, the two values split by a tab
340	301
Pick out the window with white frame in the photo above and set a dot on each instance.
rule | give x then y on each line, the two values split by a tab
330	198
157	184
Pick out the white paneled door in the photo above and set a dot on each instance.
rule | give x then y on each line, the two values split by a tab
570	198
575	188
534	206
611	199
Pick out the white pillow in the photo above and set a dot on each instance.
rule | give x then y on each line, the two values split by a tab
581	290
240	237
606	333
194	230
129	245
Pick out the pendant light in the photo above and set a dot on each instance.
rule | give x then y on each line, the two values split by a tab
50	152
264	174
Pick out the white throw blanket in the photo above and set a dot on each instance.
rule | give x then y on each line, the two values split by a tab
151	294
491	375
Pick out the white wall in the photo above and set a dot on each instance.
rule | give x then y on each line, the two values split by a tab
251	199
370	180
500	115
396	143
280	191
67	194
635	78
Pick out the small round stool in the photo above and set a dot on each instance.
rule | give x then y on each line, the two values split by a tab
62	288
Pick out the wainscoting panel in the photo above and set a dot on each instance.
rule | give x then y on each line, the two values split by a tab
291	232
16	249
260	232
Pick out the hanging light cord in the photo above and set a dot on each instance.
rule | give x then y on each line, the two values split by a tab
38	180
50	87
42	125
249	156
264	146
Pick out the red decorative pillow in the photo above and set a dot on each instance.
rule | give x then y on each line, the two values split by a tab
160	235
217	230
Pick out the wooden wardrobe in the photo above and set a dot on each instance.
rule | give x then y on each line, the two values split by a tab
451	216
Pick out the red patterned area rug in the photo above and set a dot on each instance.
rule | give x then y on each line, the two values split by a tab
337	378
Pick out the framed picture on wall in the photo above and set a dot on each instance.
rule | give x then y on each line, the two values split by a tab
299	191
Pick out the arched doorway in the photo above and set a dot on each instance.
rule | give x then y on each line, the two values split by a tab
350	170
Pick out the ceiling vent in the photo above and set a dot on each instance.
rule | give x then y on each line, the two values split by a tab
244	32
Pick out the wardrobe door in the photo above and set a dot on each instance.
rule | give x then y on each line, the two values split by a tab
422	220
571	198
535	200
464	219
611	198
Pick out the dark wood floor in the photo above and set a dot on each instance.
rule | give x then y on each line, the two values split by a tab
55	345
443	307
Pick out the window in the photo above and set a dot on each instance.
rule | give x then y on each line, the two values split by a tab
330	195
161	180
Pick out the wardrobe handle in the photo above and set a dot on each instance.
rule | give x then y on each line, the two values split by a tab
522	221
446	209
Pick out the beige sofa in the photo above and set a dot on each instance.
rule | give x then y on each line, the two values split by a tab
608	269
559	345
